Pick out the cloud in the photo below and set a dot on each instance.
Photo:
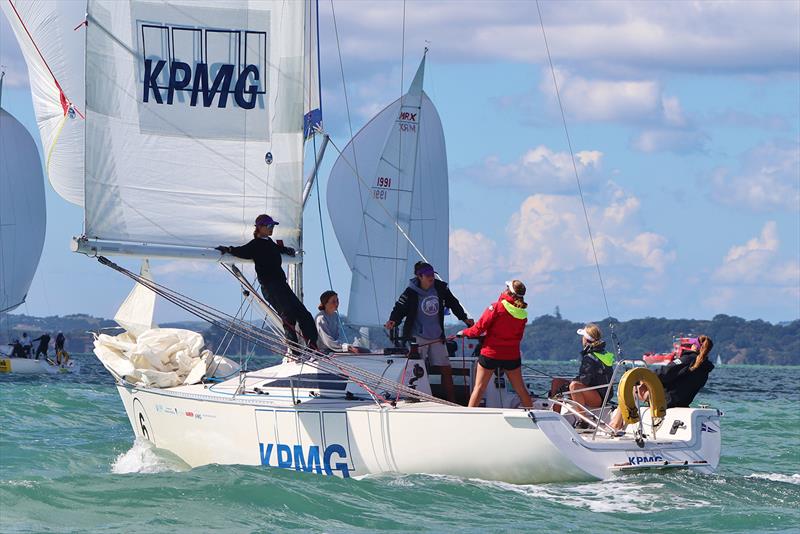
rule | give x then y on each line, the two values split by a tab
768	178
473	256
756	261
602	37
548	234
755	264
677	140
541	169
604	99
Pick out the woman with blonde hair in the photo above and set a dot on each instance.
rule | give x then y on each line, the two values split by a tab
597	367
502	325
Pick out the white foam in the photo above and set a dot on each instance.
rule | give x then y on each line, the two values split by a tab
777	477
608	496
142	458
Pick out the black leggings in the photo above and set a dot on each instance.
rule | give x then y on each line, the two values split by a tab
281	297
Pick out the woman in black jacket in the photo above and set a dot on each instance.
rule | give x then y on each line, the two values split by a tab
266	254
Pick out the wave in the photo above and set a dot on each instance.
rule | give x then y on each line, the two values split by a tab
143	457
777	477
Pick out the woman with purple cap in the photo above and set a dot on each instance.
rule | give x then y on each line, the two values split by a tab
266	254
422	306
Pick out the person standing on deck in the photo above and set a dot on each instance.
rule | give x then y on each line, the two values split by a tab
502	325
44	344
62	356
266	254
26	345
422	306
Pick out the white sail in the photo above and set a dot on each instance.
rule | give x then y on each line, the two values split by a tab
54	53
135	315
392	173
194	121
22	211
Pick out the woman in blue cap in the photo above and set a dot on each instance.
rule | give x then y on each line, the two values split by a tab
266	254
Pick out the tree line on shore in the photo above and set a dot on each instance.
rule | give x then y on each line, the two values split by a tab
547	337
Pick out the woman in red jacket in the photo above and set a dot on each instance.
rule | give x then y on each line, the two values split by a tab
502	325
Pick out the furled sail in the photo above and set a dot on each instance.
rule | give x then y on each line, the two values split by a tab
54	52
392	174
195	115
22	211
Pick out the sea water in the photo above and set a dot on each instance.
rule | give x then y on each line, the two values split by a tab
69	463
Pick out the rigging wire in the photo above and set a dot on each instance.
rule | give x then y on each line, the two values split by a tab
355	169
368	380
575	170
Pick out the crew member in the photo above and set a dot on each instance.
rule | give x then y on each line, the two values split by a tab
682	379
597	368
266	254
422	306
502	325
26	345
329	325
44	344
62	356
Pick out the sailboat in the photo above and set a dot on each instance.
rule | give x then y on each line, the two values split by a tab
22	226
197	116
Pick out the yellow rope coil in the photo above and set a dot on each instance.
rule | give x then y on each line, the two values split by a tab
627	395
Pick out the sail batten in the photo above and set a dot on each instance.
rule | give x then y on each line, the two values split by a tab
195	121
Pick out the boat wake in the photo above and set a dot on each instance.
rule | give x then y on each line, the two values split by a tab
142	457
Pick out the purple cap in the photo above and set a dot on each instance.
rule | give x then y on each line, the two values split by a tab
265	220
425	269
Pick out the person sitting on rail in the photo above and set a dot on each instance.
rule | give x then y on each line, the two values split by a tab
502	325
266	254
597	368
682	378
422	306
329	326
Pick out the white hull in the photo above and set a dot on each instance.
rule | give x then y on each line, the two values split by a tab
27	366
302	431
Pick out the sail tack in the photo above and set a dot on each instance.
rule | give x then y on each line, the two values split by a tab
54	53
392	174
22	211
195	120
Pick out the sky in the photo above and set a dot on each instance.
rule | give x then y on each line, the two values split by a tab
684	118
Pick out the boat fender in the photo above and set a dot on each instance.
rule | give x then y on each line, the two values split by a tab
627	395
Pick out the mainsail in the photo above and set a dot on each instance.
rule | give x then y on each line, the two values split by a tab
195	119
22	211
392	176
54	52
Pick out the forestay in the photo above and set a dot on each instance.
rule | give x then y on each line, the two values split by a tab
54	52
195	121
22	211
392	174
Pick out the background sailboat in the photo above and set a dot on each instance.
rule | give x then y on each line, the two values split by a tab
388	202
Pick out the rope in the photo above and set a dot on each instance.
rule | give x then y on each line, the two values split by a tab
367	380
577	178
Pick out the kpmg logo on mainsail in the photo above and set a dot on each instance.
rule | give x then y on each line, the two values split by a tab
208	67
